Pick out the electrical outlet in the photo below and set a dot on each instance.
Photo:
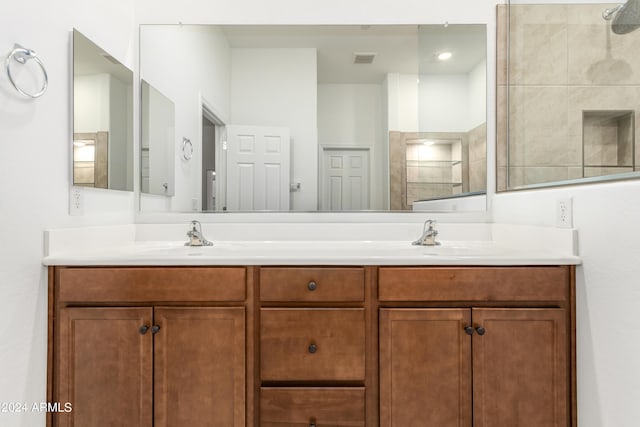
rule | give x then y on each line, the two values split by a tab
76	201
564	213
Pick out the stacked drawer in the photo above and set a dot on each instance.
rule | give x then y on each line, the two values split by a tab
312	346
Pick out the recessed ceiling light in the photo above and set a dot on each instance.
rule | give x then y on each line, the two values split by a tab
444	56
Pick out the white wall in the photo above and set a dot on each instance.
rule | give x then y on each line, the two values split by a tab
184	63
278	87
91	103
352	114
35	152
120	134
478	95
443	103
402	95
453	102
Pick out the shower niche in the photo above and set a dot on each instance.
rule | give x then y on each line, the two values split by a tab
608	142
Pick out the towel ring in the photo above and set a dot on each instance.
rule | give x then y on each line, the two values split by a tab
187	149
22	55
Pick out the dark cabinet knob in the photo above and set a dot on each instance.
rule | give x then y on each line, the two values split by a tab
312	286
480	330
155	329
143	329
312	422
468	330
313	348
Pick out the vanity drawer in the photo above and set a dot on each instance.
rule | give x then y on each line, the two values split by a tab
322	406
529	284
155	284
312	284
301	344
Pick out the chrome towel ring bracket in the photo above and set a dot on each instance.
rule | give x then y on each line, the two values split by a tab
187	149
21	55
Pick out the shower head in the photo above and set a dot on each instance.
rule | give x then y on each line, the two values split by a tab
627	18
608	13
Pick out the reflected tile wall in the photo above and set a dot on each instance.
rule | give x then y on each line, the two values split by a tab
418	182
563	60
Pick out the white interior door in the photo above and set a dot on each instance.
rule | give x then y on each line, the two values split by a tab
257	168
345	179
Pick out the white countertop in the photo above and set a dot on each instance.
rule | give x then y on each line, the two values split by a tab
331	244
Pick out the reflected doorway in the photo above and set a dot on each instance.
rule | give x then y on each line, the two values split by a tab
213	144
344	179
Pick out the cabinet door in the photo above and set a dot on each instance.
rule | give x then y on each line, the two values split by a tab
199	367
520	368
104	367
425	368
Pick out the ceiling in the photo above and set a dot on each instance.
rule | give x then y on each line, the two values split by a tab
89	59
396	47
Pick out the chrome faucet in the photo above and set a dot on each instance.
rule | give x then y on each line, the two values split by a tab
196	238
429	234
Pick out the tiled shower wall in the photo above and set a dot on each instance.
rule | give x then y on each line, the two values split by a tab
473	168
563	60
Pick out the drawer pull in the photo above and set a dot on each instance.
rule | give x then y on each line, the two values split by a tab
143	329
480	330
312	286
313	348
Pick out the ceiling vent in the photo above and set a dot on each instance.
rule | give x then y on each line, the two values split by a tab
110	58
363	57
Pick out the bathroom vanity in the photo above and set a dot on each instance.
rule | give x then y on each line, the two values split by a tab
453	341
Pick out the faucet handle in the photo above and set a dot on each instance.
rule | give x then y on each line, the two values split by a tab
429	225
195	226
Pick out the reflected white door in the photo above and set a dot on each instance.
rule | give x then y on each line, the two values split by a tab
257	168
345	179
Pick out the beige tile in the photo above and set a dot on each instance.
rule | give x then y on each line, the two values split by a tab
546	151
538	121
501	182
538	44
609	59
516	177
502	22
592	172
574	172
541	175
501	126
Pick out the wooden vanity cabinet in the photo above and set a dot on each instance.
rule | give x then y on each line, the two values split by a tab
149	346
475	346
313	346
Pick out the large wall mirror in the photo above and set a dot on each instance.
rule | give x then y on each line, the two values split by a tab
567	114
319	117
102	118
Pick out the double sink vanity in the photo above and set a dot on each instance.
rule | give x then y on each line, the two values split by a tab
308	331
